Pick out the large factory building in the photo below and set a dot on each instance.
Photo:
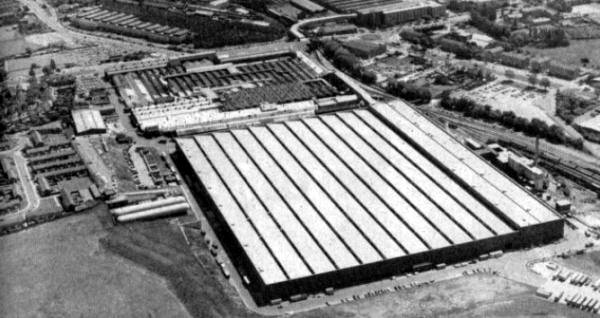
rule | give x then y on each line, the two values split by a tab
377	13
339	199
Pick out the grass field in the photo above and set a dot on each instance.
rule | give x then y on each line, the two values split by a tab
58	269
587	263
11	42
573	53
83	266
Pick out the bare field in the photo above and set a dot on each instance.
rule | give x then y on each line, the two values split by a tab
474	296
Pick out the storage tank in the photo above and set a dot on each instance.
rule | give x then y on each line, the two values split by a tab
156	212
147	205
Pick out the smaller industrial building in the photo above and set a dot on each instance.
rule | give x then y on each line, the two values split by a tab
513	59
590	129
466	5
8	171
521	167
91	90
129	25
55	161
335	29
285	12
8	11
378	13
88	121
564	71
365	49
151	209
207	92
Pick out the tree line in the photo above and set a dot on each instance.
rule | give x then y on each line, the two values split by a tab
534	127
409	91
487	25
344	59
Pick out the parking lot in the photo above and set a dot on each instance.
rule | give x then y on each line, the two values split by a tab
571	288
528	104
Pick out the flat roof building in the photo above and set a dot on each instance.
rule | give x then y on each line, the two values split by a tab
88	121
308	6
590	128
350	197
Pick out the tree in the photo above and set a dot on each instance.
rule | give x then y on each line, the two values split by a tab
3	128
509	73
46	70
368	77
556	134
52	64
521	123
545	82
532	79
31	72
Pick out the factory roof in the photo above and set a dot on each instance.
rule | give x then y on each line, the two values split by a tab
518	205
88	121
336	191
308	5
591	124
392	6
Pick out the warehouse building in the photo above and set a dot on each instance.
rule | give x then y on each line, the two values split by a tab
129	25
336	200
207	92
563	70
514	60
308	6
365	49
88	121
590	129
378	13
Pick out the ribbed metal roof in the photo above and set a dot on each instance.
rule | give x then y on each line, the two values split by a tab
336	191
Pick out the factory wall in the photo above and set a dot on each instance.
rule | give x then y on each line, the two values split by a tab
263	294
538	234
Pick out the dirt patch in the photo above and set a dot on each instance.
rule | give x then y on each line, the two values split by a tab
475	296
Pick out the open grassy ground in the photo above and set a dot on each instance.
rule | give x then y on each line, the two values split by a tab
573	53
59	269
11	42
588	263
83	266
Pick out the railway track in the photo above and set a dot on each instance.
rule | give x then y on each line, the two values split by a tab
552	158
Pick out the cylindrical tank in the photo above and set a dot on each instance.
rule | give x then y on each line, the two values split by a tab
147	205
156	212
